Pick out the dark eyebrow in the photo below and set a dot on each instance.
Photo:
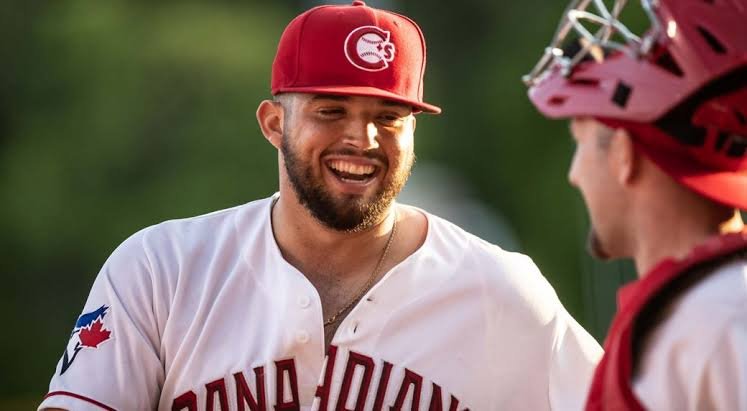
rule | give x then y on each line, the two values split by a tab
383	102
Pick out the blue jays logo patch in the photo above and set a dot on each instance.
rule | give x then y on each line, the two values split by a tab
89	332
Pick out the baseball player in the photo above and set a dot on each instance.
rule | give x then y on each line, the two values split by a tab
329	295
660	124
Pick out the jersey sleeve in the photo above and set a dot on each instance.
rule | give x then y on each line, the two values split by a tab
111	360
696	359
724	382
575	356
564	355
697	373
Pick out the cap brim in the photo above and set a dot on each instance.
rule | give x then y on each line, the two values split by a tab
725	187
363	91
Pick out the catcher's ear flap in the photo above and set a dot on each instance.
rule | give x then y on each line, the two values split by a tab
270	115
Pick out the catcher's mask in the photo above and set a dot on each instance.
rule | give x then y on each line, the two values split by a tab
679	87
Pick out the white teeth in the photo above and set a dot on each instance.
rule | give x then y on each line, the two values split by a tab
351	168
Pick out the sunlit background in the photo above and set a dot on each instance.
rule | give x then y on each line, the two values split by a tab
117	115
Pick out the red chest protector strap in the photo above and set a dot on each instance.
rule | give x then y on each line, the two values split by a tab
611	386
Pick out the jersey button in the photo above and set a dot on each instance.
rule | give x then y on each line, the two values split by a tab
302	337
304	301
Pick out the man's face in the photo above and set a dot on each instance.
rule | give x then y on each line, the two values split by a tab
590	173
347	158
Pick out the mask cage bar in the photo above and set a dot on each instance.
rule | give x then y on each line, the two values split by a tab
594	44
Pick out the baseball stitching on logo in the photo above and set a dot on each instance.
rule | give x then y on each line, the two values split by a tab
366	53
369	41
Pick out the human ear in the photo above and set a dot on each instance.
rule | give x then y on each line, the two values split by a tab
270	116
624	157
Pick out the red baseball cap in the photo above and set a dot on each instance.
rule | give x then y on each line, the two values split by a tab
352	50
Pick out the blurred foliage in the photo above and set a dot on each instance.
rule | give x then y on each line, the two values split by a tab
117	115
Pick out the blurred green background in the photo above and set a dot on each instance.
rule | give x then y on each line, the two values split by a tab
117	115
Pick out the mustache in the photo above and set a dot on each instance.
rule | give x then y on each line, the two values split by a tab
374	154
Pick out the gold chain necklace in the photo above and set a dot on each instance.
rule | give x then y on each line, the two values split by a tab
331	320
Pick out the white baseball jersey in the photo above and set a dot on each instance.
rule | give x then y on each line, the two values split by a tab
205	314
697	358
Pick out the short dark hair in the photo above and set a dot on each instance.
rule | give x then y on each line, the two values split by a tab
604	137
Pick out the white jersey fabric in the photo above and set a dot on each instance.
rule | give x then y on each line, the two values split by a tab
696	359
204	313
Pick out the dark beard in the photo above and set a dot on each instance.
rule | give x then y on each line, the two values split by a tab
595	247
353	213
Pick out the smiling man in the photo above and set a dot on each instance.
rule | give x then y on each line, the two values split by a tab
328	295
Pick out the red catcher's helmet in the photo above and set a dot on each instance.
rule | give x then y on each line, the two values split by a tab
680	89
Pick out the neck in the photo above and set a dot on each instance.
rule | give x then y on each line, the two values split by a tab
314	248
673	235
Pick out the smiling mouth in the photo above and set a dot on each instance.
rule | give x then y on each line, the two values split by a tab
351	172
